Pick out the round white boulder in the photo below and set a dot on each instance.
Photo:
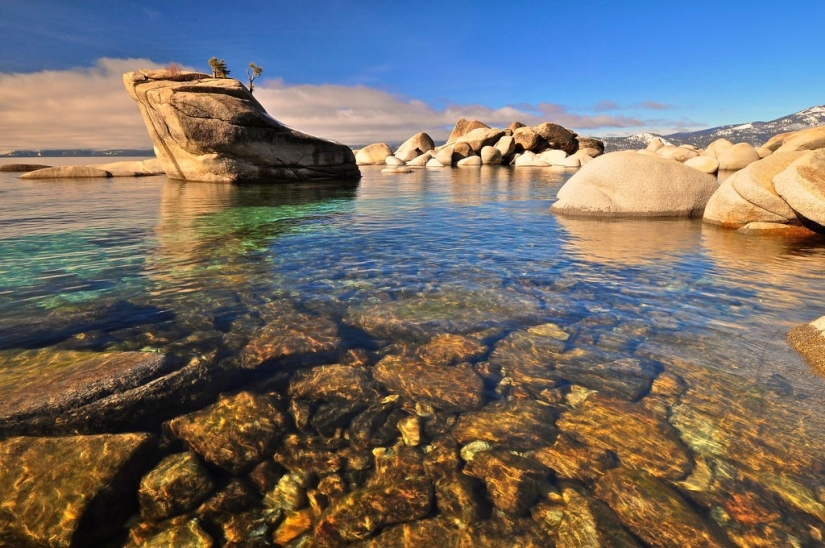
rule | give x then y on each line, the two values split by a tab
705	164
375	153
627	184
802	186
737	157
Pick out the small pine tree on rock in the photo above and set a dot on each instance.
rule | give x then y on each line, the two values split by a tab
219	69
252	73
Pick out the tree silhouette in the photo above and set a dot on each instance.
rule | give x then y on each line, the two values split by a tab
252	73
219	69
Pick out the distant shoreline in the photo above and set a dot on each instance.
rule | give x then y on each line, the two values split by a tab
58	153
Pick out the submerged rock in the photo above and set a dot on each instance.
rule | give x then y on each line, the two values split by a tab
809	340
335	382
363	512
213	129
60	391
187	533
655	512
518	425
235	434
627	184
640	439
588	522
177	484
512	481
444	387
66	491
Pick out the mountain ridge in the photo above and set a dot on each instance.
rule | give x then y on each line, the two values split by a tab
755	133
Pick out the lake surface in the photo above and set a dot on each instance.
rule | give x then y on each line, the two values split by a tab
196	269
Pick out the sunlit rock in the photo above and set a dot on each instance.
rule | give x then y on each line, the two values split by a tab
480	138
295	524
804	139
518	425
680	154
802	186
470	161
143	168
627	184
213	129
235	434
21	168
737	157
66	491
463	127
308	454
655	512
422	160
394	161
447	388
67	172
177	484
415	146
444	156
705	164
525	138
490	155
640	439
557	137
592	147
506	146
363	512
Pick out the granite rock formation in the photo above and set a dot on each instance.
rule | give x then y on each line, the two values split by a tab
213	129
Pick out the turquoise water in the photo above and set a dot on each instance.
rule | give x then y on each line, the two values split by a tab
196	269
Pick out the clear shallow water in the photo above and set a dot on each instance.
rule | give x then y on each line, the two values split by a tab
197	268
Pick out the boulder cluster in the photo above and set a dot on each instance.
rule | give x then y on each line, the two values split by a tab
473	143
777	187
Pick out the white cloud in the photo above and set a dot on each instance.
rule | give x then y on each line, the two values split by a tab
79	108
89	108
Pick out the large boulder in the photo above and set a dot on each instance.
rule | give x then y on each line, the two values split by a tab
376	153
142	168
680	154
525	138
591	143
557	137
415	146
627	184
463	127
213	129
804	139
69	491
481	137
737	157
61	391
802	186
809	340
748	196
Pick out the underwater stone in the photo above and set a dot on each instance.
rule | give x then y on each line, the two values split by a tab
334	383
519	425
294	525
290	493
75	490
655	512
572	460
410	428
376	426
639	438
512	481
290	336
361	513
625	378
447	388
589	522
451	349
235	434
308	454
428	532
461	498
397	464
178	532
177	484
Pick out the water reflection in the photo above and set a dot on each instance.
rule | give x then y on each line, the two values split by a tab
628	242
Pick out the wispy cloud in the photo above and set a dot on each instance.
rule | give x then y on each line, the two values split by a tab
89	108
606	105
654	105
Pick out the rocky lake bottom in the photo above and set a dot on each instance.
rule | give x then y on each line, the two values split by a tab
423	358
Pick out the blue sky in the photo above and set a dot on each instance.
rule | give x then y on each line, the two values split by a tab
369	71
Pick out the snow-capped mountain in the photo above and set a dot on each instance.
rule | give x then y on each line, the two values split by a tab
755	133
